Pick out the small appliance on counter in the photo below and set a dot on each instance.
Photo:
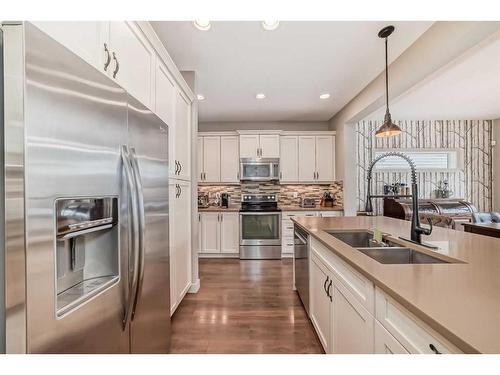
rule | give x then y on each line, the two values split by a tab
307	202
225	200
327	199
202	200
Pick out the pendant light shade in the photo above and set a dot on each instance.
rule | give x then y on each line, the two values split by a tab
388	128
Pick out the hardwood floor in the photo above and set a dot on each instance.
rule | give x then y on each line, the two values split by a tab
243	306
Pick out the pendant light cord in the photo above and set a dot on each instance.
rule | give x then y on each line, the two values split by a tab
386	78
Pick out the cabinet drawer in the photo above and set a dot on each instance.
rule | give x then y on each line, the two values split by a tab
412	333
385	343
330	213
287	231
286	215
287	246
357	284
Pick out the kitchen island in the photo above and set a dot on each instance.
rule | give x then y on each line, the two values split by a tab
459	301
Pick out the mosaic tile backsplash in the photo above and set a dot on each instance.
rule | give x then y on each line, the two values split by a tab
284	192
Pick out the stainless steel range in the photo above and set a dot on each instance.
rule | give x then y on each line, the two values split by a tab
260	227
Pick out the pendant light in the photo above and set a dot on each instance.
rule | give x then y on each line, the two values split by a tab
388	128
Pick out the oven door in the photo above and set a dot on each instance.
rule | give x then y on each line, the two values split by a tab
260	228
259	170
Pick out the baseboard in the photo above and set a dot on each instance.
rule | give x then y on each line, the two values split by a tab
218	255
194	287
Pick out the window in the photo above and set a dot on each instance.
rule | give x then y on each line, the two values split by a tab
425	159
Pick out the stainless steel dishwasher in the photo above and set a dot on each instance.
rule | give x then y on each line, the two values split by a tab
301	256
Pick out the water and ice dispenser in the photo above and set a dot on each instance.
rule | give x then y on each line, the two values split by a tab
87	249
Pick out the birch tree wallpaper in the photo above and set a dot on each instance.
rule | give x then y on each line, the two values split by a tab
472	181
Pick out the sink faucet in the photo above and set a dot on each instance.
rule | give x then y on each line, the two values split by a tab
416	229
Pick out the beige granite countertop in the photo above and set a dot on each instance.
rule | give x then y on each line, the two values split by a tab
317	208
460	301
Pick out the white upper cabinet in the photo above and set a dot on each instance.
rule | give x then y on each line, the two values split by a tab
211	159
165	96
325	146
229	159
289	163
269	145
307	158
259	146
249	145
132	60
182	136
87	39
201	163
316	158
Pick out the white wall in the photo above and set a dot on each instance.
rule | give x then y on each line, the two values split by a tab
292	126
441	44
496	165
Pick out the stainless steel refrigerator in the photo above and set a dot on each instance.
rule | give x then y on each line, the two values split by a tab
85	215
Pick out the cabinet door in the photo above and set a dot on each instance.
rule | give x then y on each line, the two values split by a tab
183	135
211	159
164	107
352	323
230	232
182	239
320	304
325	146
249	143
172	224
164	96
136	60
229	159
385	343
200	159
269	145
84	38
289	164
307	158
210	232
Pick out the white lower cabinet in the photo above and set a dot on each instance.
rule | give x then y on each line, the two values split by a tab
352	323
219	233
320	302
359	318
385	343
180	241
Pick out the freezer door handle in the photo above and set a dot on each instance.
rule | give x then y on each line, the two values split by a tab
142	226
133	238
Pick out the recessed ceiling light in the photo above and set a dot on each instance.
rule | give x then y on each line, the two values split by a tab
324	96
260	95
202	25
270	25
200	97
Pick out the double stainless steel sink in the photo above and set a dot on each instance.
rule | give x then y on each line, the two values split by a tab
386	252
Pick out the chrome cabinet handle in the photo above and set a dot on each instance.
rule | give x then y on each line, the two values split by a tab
108	57
180	167
142	227
117	66
133	234
180	191
204	176
324	285
434	349
317	175
328	290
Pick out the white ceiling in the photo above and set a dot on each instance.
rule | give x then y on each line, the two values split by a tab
292	65
468	88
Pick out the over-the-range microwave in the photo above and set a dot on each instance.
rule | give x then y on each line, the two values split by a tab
259	169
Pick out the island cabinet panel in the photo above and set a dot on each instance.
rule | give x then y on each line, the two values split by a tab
352	323
320	302
385	343
413	334
360	286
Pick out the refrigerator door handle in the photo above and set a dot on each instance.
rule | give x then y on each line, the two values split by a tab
142	226
133	234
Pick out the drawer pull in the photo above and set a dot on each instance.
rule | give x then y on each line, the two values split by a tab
324	285
434	349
